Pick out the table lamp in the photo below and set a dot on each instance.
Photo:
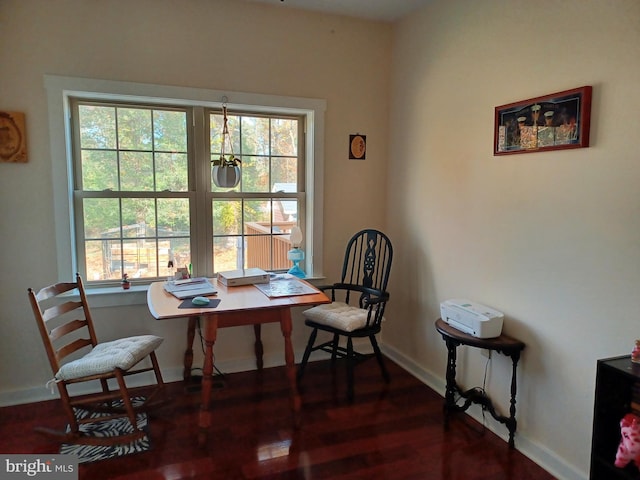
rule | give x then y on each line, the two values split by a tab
295	254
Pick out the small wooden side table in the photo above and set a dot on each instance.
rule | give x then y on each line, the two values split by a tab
504	344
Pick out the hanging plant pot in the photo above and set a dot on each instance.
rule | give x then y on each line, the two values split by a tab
226	176
225	171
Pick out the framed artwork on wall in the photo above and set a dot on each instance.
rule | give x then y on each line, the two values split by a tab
552	122
13	143
357	147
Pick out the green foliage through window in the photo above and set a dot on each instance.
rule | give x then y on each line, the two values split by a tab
143	198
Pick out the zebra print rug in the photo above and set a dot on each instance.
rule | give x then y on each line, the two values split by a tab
108	428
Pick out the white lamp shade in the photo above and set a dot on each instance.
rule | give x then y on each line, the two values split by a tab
296	236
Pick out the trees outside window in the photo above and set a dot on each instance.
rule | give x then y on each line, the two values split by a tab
144	202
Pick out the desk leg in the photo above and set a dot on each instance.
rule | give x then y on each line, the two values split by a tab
450	393
257	329
210	332
286	327
188	353
511	422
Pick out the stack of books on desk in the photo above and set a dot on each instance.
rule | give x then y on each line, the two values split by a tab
190	287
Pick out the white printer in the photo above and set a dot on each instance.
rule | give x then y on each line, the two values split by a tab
472	318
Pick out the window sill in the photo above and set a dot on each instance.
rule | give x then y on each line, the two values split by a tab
117	296
100	297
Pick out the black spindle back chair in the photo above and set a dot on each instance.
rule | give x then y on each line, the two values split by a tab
358	304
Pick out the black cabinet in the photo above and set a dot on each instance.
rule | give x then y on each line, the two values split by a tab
617	383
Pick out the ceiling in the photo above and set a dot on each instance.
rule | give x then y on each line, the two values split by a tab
381	10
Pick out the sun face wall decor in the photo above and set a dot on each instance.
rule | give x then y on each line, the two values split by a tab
13	141
357	147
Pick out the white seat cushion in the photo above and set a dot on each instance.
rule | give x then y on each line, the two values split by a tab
338	315
123	353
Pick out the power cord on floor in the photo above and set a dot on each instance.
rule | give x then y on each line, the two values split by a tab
216	369
479	391
484	392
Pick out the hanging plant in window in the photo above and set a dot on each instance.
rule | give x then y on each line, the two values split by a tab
226	169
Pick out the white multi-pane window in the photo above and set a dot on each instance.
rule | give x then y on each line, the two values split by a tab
144	202
252	223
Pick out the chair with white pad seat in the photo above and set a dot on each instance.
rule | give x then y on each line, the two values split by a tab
75	355
358	304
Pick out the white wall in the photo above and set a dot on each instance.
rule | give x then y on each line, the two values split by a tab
226	45
552	239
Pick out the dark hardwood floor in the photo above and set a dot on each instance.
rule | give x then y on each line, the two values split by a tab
389	432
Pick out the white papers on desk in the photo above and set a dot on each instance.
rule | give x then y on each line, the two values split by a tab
285	286
190	287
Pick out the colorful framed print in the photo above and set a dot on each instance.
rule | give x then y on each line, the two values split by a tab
551	122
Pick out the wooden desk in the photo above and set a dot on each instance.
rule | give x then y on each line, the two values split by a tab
503	344
238	306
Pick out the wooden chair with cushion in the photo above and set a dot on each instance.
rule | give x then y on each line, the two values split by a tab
76	356
358	304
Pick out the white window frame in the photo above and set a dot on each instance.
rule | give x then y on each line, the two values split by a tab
60	88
